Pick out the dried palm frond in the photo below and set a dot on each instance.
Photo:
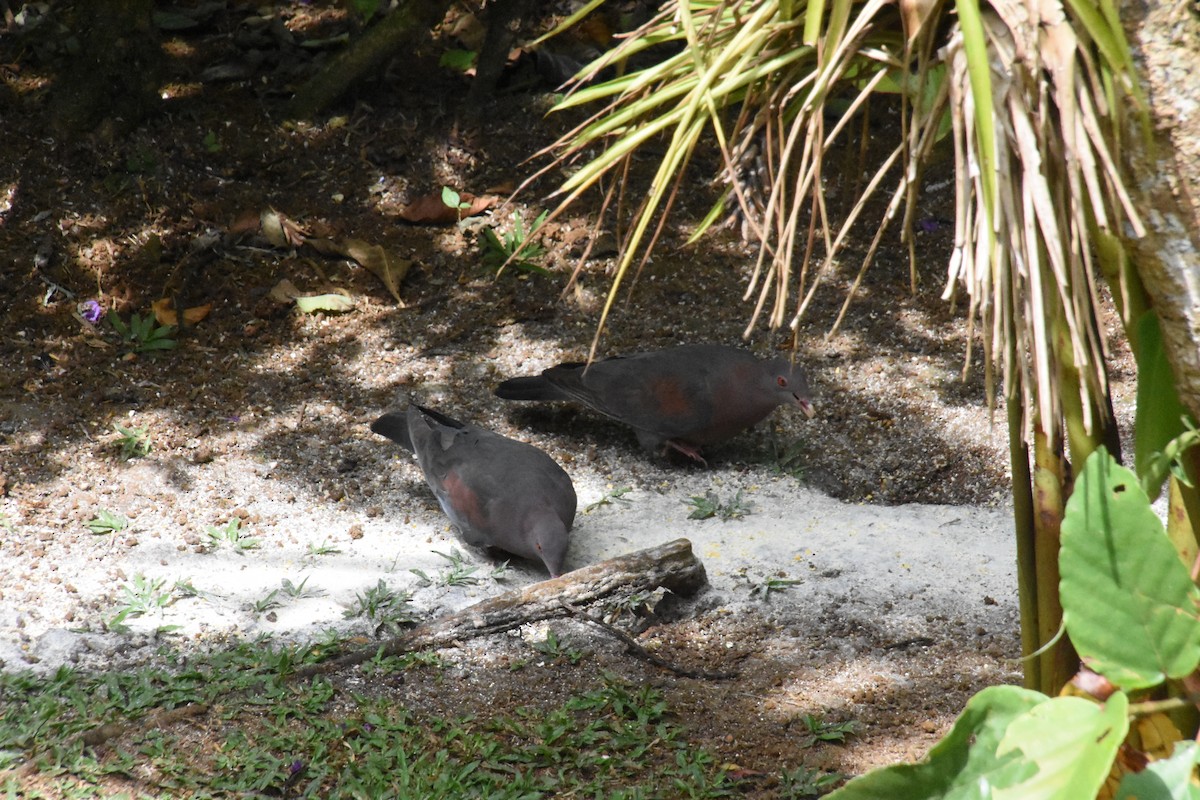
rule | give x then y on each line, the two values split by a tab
1028	192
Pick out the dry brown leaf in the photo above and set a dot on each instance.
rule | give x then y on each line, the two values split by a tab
429	209
389	269
503	187
249	221
166	315
375	259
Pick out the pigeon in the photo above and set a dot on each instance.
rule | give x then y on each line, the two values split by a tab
679	398
499	492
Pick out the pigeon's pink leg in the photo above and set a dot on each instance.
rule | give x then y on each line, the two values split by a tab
687	450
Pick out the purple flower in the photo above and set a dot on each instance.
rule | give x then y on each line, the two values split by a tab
91	310
296	767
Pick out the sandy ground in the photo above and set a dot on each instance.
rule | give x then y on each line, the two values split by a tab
900	564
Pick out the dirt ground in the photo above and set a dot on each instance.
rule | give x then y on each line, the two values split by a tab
256	387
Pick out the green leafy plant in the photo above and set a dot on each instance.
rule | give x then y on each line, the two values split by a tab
143	334
267	603
791	460
612	497
142	596
818	730
803	783
211	143
323	549
1144	633
459	573
383	607
457	60
133	442
107	522
710	505
301	589
554	649
452	199
231	533
769	584
513	247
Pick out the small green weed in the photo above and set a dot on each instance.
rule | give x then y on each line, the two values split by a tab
142	334
106	522
382	606
301	589
323	549
513	247
288	589
771	583
133	442
7	524
452	199
612	497
142	596
790	460
555	650
804	783
710	505
818	730
459	573
267	603
211	143
231	533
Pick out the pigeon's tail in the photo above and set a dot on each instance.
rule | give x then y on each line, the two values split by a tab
394	425
534	387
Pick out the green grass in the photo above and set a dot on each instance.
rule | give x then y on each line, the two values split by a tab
262	735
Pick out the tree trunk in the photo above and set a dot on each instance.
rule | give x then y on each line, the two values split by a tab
1168	257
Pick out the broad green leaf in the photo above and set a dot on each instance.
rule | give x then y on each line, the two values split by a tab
324	302
1159	412
1072	741
1128	602
966	765
1166	779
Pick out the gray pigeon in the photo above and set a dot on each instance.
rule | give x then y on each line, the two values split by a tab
499	492
682	397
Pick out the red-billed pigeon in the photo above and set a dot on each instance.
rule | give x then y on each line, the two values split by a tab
499	492
682	397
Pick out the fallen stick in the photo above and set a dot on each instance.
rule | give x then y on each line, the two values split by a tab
671	566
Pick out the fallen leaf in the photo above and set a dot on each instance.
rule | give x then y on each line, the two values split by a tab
375	259
284	292
325	302
503	187
389	269
430	210
168	316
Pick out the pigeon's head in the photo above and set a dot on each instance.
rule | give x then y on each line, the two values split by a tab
791	384
548	537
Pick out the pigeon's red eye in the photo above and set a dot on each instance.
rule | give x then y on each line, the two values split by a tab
782	381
